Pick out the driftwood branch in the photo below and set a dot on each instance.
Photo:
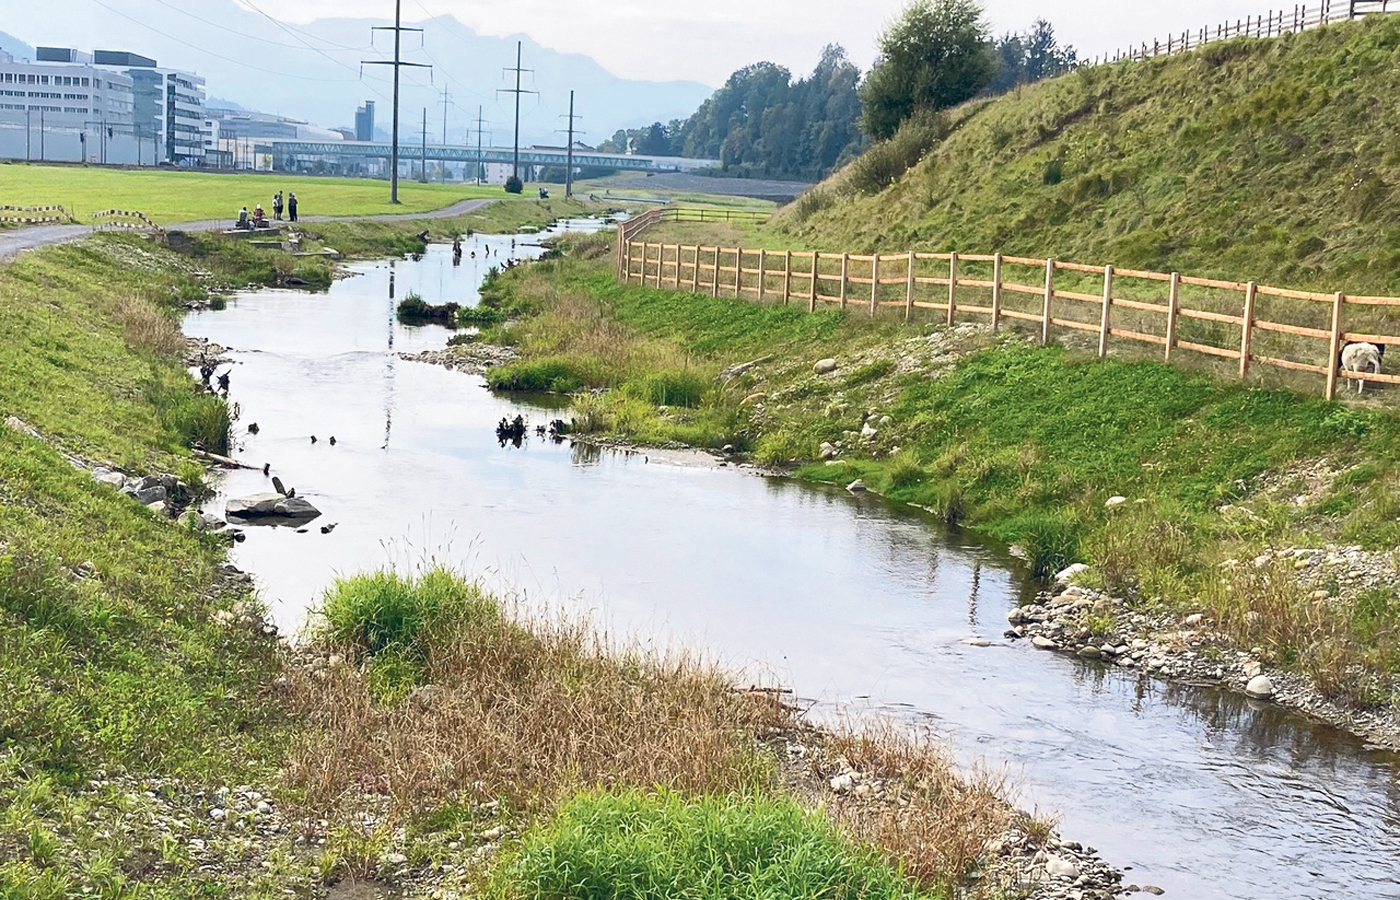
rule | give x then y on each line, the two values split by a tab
225	461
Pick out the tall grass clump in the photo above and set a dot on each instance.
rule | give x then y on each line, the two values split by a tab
523	710
192	419
665	847
668	388
149	329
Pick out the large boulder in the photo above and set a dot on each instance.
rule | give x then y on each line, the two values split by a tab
271	506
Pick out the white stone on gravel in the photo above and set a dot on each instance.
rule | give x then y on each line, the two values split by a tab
1060	867
824	366
1260	687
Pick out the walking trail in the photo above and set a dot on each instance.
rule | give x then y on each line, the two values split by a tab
19	240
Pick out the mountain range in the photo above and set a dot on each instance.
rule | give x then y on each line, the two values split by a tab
317	72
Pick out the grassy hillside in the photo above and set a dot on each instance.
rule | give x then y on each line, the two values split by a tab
1274	160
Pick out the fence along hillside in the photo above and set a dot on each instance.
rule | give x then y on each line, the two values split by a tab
1243	322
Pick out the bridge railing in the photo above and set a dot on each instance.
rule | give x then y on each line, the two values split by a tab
1244	323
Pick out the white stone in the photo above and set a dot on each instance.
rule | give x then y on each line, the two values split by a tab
976	642
1069	572
1115	501
856	486
843	783
1194	619
1061	867
1260	687
395	859
1043	643
823	366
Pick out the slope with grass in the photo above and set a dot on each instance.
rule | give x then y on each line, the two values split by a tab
1026	444
1273	160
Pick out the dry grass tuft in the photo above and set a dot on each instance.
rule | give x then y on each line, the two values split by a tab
528	714
147	328
934	823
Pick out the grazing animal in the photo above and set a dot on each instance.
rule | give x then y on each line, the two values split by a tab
1362	357
253	428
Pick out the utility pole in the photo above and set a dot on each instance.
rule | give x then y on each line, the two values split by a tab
446	99
41	134
569	168
479	122
397	63
423	161
515	163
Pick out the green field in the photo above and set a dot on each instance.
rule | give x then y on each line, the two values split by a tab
179	196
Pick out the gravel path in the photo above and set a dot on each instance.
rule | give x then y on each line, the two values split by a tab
14	242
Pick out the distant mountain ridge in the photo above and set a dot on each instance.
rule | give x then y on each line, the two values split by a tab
15	47
272	67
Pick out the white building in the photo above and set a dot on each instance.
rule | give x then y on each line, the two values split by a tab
69	110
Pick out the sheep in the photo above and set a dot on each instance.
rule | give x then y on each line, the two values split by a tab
1362	357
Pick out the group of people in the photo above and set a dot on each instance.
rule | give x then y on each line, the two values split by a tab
258	218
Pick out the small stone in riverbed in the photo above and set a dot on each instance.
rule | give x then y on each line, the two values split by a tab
1152	889
1090	653
1069	572
976	642
1060	867
1260	687
1194	619
1043	643
396	859
856	486
823	366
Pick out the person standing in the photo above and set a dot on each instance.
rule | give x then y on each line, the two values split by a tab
292	206
277	206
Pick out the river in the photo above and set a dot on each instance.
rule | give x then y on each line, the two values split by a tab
855	603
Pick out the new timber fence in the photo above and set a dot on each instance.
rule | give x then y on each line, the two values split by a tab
1246	323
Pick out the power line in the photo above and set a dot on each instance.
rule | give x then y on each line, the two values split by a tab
205	50
244	34
285	28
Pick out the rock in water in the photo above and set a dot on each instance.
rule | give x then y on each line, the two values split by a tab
1260	687
855	487
277	486
271	505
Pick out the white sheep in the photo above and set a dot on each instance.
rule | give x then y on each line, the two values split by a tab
1362	357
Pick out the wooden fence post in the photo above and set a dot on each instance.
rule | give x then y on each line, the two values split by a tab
1335	345
1173	308
677	284
787	277
1247	329
695	273
996	293
952	286
1105	319
762	272
714	282
909	290
845	265
660	263
1049	294
812	295
738	272
874	280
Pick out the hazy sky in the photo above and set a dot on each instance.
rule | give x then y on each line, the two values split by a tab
705	40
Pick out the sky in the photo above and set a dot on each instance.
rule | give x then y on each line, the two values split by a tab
705	41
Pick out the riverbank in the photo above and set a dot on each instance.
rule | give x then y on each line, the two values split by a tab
1160	480
155	737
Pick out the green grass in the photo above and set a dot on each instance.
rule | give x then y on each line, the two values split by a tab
179	196
384	611
1268	160
664	847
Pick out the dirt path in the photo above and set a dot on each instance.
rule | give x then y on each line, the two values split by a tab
15	242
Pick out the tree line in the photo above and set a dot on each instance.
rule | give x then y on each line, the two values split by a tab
763	124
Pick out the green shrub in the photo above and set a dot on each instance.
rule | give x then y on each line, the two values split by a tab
514	185
811	203
557	374
1050	539
192	419
479	315
383	611
884	163
667	848
413	308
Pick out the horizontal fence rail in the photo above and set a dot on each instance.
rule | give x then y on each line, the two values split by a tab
33	215
123	218
1223	319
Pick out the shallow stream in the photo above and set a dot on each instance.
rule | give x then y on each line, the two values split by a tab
855	603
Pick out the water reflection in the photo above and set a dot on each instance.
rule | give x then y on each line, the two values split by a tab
847	599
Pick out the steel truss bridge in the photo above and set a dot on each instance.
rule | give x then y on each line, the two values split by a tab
283	150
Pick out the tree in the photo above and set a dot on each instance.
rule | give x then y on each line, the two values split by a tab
654	142
936	55
1029	57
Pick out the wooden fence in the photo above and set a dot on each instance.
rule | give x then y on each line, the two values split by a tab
1222	319
1301	17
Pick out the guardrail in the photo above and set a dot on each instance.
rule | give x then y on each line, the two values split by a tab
34	215
124	218
1222	319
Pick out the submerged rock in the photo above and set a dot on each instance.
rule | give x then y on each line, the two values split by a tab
1260	687
269	505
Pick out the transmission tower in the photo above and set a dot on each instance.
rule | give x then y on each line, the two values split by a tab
397	63
569	168
515	163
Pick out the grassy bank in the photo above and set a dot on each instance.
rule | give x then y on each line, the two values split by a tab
156	743
1025	444
173	195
